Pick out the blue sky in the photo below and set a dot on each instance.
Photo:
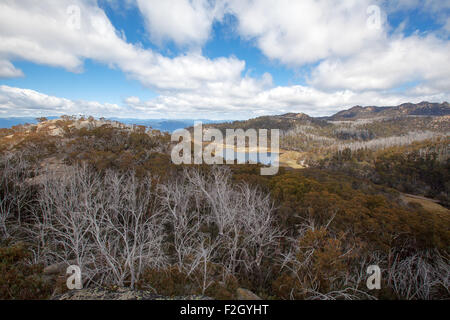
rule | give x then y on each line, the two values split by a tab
229	59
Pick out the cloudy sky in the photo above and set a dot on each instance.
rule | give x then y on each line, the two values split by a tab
230	59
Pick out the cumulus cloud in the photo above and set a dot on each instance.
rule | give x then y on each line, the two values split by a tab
351	62
63	33
248	99
276	100
343	43
7	70
389	65
24	102
185	72
185	22
298	32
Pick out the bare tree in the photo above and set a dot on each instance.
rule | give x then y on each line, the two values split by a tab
421	275
67	199
127	232
14	190
103	223
242	217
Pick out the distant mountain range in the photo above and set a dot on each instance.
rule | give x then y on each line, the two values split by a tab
159	124
406	109
14	121
166	124
354	113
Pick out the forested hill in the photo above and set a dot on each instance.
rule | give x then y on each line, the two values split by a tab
405	147
406	109
106	196
401	119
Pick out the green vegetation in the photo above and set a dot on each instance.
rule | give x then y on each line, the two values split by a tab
421	168
21	280
108	197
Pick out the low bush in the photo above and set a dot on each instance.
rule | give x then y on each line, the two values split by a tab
19	279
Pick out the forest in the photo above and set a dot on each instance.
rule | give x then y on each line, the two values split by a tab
106	197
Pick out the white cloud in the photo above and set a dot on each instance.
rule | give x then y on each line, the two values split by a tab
298	32
356	64
396	62
185	22
248	99
185	72
349	53
44	32
277	100
25	102
7	70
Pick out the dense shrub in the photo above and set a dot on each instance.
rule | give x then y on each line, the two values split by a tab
129	217
19	279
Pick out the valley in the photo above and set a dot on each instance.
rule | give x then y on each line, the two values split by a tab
367	189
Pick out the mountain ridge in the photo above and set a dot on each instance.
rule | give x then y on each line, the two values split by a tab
357	112
423	108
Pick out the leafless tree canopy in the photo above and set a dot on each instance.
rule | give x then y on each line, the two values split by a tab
115	226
